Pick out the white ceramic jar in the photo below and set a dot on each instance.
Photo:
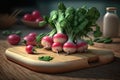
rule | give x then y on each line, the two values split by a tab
111	23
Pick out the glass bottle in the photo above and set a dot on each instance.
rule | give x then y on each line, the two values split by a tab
111	23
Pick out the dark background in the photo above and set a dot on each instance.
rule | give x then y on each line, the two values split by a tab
7	6
45	6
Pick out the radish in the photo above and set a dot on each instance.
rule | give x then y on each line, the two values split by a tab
27	17
13	39
69	47
47	41
81	46
35	14
29	40
60	37
57	47
85	46
30	49
33	34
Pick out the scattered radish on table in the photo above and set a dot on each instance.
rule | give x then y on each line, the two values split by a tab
29	40
32	34
13	39
30	49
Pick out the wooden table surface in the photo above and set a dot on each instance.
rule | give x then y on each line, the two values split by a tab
13	71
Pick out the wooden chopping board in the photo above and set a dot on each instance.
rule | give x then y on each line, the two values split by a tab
61	62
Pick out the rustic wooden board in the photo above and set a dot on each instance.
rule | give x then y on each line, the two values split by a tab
61	62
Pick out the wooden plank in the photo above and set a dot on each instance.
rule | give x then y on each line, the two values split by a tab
61	62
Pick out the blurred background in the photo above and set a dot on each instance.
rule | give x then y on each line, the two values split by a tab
45	6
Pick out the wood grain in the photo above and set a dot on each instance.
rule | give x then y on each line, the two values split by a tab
60	63
12	71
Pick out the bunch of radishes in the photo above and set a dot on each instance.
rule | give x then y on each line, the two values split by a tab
71	26
61	42
64	38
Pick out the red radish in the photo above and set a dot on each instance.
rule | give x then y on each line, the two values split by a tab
30	49
81	46
33	34
35	14
39	19
69	47
13	39
57	47
85	47
60	37
47	42
27	17
29	40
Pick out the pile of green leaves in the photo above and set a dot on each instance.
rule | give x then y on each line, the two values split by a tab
103	40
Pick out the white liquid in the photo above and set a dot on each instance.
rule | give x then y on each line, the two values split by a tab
110	25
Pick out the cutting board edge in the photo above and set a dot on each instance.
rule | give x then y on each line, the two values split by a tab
47	67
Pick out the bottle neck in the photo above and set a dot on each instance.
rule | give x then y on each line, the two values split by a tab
113	12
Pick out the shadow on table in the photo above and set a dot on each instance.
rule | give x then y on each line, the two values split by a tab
107	71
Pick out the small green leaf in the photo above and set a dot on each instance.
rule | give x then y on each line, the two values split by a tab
18	33
97	33
100	41
108	41
90	42
39	37
45	58
6	32
42	23
61	6
96	39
